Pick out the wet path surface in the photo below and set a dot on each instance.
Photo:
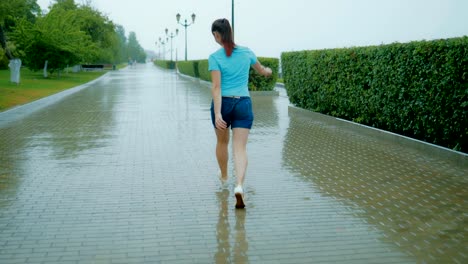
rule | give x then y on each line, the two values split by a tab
124	172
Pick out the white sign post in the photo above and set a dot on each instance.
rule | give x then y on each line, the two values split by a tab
45	69
15	67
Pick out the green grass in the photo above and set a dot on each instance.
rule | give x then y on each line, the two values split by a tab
34	86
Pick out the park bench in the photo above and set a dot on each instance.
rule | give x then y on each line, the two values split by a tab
92	67
98	67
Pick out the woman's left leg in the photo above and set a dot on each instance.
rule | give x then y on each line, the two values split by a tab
222	154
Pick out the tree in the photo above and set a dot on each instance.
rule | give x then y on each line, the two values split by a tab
55	38
102	33
67	5
135	51
70	34
97	26
10	11
122	53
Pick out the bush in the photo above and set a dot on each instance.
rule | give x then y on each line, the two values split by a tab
258	82
165	64
3	60
203	71
188	68
417	89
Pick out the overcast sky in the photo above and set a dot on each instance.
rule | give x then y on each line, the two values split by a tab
270	27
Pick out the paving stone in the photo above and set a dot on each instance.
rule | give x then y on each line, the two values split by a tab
123	171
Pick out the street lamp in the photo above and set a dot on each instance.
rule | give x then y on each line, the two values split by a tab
172	36
164	46
185	25
232	17
159	48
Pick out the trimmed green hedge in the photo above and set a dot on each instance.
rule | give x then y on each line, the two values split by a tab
189	68
256	81
417	89
205	74
166	64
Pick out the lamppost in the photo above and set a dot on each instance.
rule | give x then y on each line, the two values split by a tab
172	36
164	46
232	18
158	46
185	25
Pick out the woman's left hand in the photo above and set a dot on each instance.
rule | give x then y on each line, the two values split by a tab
267	71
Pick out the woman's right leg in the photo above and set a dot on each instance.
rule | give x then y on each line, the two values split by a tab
239	144
222	154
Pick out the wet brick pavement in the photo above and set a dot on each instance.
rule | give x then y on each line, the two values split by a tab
123	171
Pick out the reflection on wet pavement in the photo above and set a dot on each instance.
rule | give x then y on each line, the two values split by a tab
124	172
235	252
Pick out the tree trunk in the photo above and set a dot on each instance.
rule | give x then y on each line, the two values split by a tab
3	44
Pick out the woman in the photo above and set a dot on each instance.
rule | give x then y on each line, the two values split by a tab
231	106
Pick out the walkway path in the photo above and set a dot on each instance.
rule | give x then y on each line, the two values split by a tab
123	171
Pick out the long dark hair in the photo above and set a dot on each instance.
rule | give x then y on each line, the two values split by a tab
223	27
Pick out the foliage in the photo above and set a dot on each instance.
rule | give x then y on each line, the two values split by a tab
166	64
65	5
3	60
188	68
112	46
56	38
417	89
203	71
101	31
135	51
122	51
258	82
69	34
17	9
10	11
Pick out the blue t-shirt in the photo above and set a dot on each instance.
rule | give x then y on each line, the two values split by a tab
234	70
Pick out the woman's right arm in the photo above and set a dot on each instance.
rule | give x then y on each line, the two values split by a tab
216	93
265	71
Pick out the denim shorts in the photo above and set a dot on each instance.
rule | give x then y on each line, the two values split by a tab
236	112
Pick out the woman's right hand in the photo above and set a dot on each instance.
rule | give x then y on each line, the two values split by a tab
219	122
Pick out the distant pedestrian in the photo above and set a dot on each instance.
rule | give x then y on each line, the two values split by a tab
231	105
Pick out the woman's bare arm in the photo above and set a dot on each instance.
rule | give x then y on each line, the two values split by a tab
262	70
216	93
